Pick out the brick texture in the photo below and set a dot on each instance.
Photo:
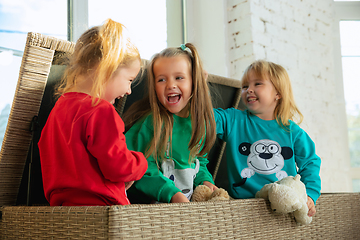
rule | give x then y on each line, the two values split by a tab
297	35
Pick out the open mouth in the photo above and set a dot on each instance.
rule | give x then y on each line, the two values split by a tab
251	99
174	98
113	101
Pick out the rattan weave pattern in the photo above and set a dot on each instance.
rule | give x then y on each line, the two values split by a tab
337	217
55	222
35	67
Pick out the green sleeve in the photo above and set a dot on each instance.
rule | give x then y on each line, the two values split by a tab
153	183
203	174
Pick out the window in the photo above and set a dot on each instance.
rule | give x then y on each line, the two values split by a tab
147	27
347	24
350	52
16	19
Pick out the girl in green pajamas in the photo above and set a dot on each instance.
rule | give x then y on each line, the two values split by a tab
174	128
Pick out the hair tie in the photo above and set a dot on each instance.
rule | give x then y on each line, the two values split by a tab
183	47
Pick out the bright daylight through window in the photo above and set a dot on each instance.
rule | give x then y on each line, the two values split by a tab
49	17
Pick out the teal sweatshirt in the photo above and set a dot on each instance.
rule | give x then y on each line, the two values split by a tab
175	174
260	152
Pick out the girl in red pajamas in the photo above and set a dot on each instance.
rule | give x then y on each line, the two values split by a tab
83	152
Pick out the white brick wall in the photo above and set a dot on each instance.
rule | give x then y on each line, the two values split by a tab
299	36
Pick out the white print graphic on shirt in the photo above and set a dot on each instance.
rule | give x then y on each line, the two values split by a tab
183	178
264	157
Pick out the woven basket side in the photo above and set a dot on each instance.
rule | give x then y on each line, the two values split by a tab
55	222
231	82
120	105
47	42
34	71
337	217
237	219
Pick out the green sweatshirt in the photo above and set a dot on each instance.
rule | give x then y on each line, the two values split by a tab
175	174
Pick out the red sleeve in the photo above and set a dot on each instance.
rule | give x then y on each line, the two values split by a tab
106	142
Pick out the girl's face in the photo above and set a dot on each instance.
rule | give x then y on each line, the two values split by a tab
260	96
173	84
120	82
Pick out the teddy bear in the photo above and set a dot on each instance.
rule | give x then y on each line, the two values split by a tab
287	195
203	193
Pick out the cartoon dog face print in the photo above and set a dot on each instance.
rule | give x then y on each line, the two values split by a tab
183	178
265	157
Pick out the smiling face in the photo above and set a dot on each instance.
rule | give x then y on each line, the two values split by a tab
259	96
173	84
120	82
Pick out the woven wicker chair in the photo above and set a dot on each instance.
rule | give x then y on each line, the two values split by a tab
337	217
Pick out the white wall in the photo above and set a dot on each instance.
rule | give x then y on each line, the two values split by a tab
298	35
206	29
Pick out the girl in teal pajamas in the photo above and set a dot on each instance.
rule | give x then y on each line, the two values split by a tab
176	129
264	145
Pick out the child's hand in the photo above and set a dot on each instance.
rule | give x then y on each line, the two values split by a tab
128	185
178	198
311	206
210	185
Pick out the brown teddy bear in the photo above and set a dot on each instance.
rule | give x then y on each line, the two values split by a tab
203	193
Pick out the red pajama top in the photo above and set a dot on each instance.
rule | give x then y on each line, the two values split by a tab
83	154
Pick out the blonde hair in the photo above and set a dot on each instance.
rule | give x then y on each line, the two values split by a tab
201	109
286	108
101	49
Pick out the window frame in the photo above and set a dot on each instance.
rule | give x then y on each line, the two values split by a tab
343	11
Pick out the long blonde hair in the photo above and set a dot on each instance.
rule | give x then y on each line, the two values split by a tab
102	50
286	108
201	110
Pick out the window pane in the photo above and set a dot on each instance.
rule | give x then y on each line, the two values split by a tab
350	38
350	49
146	24
352	99
351	78
356	185
48	17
